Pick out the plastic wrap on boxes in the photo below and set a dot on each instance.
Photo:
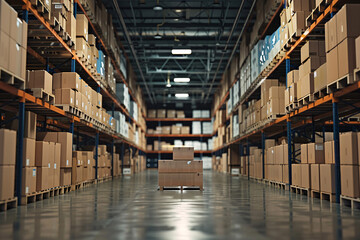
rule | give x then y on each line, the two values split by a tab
196	127
205	113
207	127
178	142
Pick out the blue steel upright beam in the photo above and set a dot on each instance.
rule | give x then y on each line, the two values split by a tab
19	155
96	153
75	9
73	65
26	15
263	153
336	149
288	124
287	62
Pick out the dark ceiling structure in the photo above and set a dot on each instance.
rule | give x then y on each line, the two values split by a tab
150	29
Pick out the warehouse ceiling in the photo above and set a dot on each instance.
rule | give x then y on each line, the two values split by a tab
209	28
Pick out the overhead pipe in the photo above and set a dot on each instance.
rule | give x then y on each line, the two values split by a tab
235	46
131	47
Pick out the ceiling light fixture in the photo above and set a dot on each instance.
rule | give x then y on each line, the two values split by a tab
182	80
178	10
157	36
157	7
168	84
181	95
181	51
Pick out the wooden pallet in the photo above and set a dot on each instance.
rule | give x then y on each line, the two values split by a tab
40	93
353	119
292	107
76	186
280	185
70	109
340	83
34	197
353	203
316	12
274	116
181	188
323	196
300	190
54	22
357	75
320	93
8	204
306	100
65	189
41	8
11	79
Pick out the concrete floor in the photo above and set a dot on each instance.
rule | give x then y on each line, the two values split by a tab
132	208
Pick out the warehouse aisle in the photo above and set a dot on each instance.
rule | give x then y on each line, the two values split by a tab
132	208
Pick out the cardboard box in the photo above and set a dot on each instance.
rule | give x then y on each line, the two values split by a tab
29	152
312	48
82	25
65	96
285	173
30	125
42	178
171	113
293	92
175	129
279	154
307	85
169	166
332	65
305	175
276	106
65	176
304	153
292	77
6	11
331	38
310	65
42	157
56	166
320	77
315	177
276	92
7	182
185	130
349	148
180	114
347	56
183	153
151	113
40	79
161	113
165	129
181	179
67	80
65	139
316	153
296	174
7	147
28	184
350	180
327	178
346	20
265	86
4	47
329	152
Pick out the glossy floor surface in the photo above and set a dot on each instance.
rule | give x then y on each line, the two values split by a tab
132	208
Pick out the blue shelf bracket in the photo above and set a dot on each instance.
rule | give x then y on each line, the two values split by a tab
96	153
73	65
289	135
336	149
20	145
263	137
75	9
288	67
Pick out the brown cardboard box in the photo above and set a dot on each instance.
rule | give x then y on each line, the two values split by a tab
315	177
82	26
7	147
65	176
180	114
265	86
161	113
171	113
316	153
67	80
165	129
357	49
6	11
46	136
287	97
42	158
65	96
169	166
276	92
276	106
329	152
293	92
348	148
346	20
42	178
312	48
78	100
183	153
304	153
332	65
296	174
78	158
151	113
79	174
270	155
7	182
175	129
327	178
65	139
180	179
185	130
350	180
297	23
283	19
71	25
57	154
29	152
28	184
284	35
285	173
305	175
51	152
310	65
4	48
279	154
320	77
347	57
40	79
307	85
330	34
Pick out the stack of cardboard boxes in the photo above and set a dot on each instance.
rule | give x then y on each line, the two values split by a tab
182	170
7	163
276	161
340	34
13	41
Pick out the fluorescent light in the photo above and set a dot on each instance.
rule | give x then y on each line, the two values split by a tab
157	36
181	51
178	10
158	7
181	95
182	80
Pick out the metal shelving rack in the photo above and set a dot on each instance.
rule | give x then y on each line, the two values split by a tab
52	117
325	112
